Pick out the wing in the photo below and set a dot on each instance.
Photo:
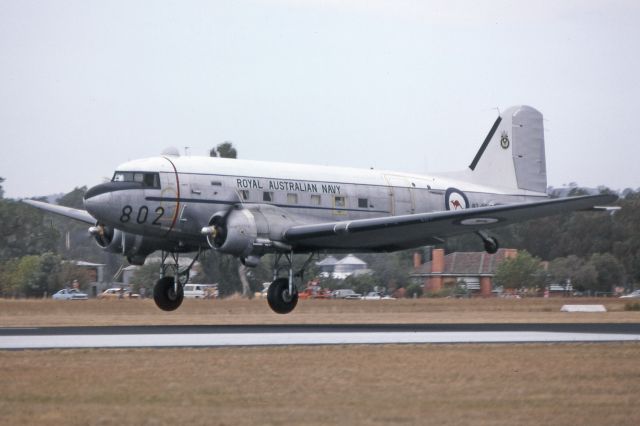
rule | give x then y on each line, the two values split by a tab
401	232
76	214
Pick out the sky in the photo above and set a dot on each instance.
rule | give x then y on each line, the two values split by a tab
405	85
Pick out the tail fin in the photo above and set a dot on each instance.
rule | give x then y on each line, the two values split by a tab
512	155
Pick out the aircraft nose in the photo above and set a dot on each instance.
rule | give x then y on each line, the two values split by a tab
98	189
97	197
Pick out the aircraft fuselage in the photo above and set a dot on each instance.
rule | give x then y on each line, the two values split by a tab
172	198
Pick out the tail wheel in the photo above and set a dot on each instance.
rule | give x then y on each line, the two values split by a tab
491	245
165	294
279	298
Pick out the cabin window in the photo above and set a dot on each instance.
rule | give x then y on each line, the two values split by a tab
363	203
292	198
151	180
267	196
339	201
315	199
122	177
244	194
216	183
148	180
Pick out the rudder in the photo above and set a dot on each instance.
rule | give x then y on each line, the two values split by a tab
512	155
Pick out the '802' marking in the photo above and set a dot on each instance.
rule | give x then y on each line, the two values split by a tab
142	215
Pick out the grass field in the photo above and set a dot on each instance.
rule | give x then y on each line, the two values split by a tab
29	313
530	384
572	384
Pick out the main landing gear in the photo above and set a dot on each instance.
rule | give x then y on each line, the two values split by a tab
283	293
168	292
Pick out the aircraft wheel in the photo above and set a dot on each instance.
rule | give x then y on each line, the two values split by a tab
491	245
165	296
279	298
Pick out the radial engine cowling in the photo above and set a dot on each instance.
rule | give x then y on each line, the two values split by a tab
135	247
232	232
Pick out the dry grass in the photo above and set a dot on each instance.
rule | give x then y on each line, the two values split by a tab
27	313
564	384
572	384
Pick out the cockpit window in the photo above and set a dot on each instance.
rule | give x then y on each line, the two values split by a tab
148	180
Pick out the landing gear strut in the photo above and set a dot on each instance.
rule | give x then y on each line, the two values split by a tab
283	293
491	244
168	292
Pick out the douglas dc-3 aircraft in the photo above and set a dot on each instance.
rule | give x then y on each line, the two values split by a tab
249	208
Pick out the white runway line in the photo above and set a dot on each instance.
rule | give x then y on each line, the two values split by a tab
266	339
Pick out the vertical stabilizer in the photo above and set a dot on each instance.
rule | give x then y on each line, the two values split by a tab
512	155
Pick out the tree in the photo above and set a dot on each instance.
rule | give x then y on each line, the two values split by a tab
74	199
609	271
582	275
523	271
39	275
24	231
362	284
146	277
224	150
1	188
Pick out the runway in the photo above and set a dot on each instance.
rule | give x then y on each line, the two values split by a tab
283	335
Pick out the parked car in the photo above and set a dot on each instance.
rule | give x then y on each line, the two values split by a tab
70	294
200	291
345	294
118	293
633	295
374	295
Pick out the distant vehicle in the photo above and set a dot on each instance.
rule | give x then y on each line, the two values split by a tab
200	291
633	295
345	293
118	293
374	295
70	294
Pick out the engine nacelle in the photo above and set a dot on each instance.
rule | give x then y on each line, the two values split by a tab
135	247
233	232
249	232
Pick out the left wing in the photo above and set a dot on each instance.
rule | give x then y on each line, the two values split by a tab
77	214
400	232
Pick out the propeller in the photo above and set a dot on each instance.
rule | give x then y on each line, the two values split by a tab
216	232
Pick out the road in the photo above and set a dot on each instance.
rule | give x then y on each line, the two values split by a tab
278	335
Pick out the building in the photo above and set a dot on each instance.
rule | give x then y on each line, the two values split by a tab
341	269
474	270
96	275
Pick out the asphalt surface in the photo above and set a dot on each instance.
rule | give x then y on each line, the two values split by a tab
600	328
290	335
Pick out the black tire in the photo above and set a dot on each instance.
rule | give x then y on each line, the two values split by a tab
491	245
164	295
278	296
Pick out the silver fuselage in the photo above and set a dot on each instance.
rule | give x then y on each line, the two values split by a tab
189	190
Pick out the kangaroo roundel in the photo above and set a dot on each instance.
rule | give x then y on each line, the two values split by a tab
455	199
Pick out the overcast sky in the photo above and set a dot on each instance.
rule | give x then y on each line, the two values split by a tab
402	85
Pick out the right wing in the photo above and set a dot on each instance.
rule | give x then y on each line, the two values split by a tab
76	214
392	233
